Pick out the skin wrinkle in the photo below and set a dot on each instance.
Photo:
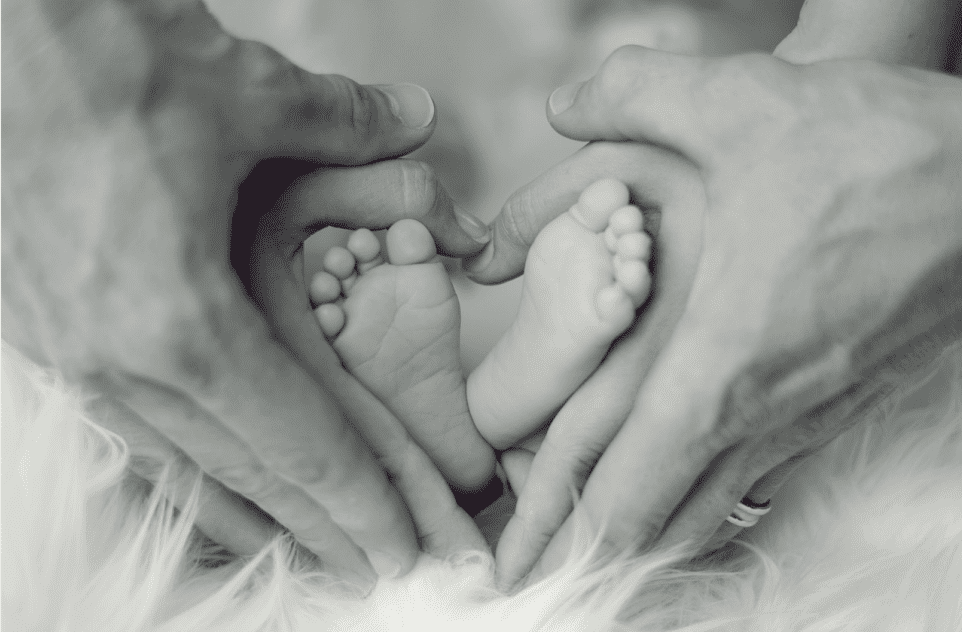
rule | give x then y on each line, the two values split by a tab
178	291
751	400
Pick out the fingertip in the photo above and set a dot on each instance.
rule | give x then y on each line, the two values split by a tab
476	266
335	119
563	98
510	564
411	104
517	466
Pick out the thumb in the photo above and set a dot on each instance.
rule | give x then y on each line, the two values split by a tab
275	108
638	94
658	180
372	196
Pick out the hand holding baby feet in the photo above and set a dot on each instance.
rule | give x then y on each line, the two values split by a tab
585	277
396	327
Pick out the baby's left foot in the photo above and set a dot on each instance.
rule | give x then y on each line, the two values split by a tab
396	327
585	277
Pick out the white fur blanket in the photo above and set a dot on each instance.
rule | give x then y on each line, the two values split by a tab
867	537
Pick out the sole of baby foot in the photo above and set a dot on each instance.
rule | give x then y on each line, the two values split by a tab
585	277
395	325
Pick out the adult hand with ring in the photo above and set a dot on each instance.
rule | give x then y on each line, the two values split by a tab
826	265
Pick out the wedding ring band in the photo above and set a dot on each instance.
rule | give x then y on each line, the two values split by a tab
747	513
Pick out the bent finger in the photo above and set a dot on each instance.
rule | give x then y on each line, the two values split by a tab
265	428
376	196
591	418
236	463
221	515
758	468
638	94
442	527
276	108
656	178
440	523
703	108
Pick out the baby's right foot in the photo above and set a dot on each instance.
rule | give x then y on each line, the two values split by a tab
396	326
585	277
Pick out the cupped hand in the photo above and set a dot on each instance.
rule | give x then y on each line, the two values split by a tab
136	131
828	266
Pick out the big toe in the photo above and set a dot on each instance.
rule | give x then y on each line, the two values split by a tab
598	201
409	242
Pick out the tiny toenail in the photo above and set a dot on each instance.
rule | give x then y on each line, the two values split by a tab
564	97
478	230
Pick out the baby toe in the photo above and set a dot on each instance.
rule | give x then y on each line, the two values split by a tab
339	262
324	288
615	307
633	277
331	319
598	201
636	246
626	219
409	243
366	248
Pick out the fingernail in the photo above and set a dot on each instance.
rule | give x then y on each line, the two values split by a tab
562	98
478	262
479	231
411	103
384	565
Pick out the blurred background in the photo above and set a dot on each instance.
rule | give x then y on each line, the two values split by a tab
490	66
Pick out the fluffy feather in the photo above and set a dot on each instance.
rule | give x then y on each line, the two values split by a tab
867	537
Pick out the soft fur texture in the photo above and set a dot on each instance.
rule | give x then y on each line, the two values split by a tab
867	537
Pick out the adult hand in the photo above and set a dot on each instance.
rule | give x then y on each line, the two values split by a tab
829	266
129	130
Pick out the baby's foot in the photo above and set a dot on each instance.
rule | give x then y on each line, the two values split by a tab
396	327
585	277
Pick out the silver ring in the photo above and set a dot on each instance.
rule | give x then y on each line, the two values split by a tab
747	513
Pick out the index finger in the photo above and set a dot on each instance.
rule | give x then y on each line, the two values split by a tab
651	173
251	417
270	105
589	420
699	107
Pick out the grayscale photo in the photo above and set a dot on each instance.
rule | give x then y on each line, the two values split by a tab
490	315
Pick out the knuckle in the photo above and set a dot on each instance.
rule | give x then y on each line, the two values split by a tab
746	410
308	470
248	478
617	76
580	460
354	106
516	222
537	536
419	187
754	84
621	62
627	534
